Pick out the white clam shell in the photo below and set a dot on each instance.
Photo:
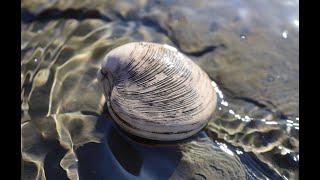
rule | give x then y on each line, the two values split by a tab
155	92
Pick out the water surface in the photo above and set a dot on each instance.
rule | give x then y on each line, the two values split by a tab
250	49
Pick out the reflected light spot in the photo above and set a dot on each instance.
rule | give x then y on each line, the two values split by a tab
289	121
271	122
170	47
213	84
296	22
284	151
285	34
225	103
231	111
238	151
225	148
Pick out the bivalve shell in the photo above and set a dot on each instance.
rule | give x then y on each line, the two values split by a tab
155	92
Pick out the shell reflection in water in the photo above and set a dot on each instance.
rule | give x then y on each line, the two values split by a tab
155	92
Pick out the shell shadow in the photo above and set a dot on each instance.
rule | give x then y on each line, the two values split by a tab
118	156
52	167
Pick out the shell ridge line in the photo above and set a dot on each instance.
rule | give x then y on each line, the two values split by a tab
131	126
148	61
133	59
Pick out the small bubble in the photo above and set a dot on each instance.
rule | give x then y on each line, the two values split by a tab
243	37
285	34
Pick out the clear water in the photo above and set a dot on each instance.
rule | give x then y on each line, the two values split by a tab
250	49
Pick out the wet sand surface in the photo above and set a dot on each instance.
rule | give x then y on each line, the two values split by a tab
249	48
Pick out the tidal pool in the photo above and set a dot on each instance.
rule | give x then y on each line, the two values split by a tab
250	50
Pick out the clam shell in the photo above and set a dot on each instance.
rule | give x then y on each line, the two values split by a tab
155	92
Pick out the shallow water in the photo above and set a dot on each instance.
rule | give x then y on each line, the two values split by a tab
250	49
